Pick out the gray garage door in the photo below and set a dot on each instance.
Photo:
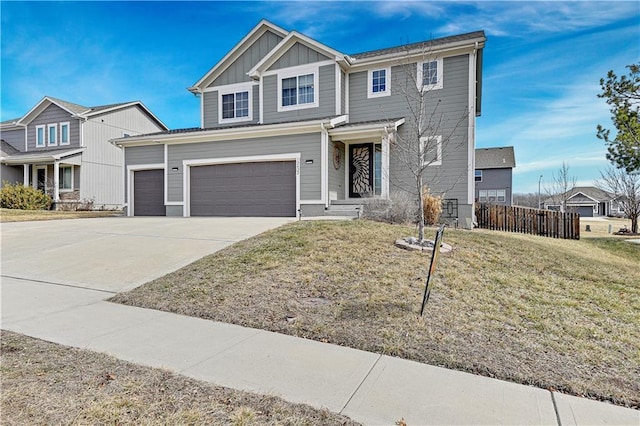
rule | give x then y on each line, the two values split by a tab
586	211
148	193
244	189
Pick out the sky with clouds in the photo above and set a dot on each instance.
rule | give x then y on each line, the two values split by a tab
542	63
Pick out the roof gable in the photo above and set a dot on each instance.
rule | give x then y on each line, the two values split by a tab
289	42
495	158
71	108
242	46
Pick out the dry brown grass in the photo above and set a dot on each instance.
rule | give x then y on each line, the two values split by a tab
13	215
557	314
600	227
44	383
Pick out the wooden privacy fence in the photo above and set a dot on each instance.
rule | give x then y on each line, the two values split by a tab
525	220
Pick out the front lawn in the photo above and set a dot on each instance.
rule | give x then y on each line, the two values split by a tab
14	215
45	384
558	314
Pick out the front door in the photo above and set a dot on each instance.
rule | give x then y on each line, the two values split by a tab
41	179
360	170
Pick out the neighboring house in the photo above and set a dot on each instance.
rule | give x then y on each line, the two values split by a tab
589	201
292	127
494	175
63	149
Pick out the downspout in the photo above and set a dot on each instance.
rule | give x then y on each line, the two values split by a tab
324	169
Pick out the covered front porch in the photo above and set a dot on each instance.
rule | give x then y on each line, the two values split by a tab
56	173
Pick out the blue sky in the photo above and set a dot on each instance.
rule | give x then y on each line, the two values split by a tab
543	60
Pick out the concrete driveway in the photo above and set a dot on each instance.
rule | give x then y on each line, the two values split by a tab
49	266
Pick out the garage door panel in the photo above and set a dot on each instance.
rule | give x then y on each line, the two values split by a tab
245	189
148	193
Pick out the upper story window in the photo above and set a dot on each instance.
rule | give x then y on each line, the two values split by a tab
478	177
234	103
378	83
430	75
40	136
297	88
52	132
431	150
64	134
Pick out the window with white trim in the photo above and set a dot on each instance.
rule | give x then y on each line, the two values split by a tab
501	195
234	103
40	136
52	133
431	150
430	75
378	82
298	88
492	195
65	178
478	176
64	134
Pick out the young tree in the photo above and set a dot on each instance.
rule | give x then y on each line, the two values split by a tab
623	95
428	131
625	187
561	185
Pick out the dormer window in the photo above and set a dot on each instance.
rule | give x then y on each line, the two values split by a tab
297	88
378	83
430	75
234	103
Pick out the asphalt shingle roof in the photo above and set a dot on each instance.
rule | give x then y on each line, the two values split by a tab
495	158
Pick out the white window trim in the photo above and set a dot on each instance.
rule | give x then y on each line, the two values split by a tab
232	89
296	72
482	195
423	142
438	84
504	195
55	130
474	175
44	136
387	91
68	142
72	179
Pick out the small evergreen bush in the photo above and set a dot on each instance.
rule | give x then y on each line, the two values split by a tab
23	197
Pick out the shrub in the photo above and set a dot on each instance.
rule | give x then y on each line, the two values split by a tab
399	209
432	206
23	197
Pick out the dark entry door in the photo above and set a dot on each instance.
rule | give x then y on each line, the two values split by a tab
42	179
360	170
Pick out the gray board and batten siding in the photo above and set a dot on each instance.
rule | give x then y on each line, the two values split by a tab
237	71
53	114
297	55
308	145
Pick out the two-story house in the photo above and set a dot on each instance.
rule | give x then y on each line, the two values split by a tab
290	126
63	149
494	175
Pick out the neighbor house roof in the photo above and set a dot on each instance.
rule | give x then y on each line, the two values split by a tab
495	158
596	194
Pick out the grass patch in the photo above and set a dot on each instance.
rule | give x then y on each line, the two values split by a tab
45	383
13	215
558	314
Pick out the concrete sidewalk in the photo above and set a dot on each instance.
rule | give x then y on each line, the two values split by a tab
367	387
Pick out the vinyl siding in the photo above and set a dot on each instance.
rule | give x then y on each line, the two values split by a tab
211	109
53	114
308	145
496	179
298	54
101	172
336	176
326	100
237	71
450	178
11	174
15	138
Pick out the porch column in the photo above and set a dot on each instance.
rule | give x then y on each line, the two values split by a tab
56	181
25	174
384	178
